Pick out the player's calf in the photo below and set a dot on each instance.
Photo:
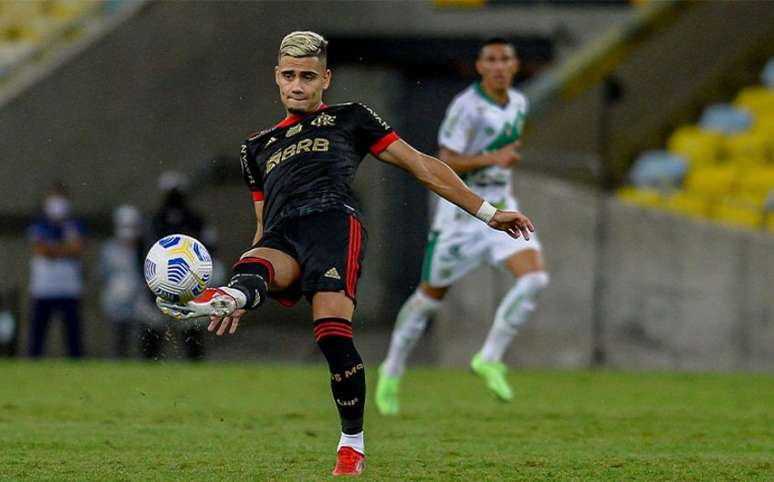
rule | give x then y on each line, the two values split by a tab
252	277
334	337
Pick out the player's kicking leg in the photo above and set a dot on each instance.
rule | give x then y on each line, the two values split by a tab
409	327
515	308
258	270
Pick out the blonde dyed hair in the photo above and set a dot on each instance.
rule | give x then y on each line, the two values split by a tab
304	44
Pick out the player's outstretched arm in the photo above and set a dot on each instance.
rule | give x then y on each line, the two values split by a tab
441	179
506	157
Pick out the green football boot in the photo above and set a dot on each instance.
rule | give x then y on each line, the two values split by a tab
494	375
387	394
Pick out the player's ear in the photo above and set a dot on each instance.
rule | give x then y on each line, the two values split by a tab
516	64
479	67
327	79
276	75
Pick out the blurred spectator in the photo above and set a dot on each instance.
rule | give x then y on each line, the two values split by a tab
175	216
767	75
120	268
56	278
8	323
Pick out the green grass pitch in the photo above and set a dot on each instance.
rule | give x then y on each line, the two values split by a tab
112	422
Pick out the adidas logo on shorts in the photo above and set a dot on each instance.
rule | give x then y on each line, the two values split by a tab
332	273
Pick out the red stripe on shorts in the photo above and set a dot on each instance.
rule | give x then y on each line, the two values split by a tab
353	256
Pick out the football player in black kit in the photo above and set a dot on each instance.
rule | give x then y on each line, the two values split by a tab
309	240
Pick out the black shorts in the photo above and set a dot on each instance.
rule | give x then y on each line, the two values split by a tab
330	248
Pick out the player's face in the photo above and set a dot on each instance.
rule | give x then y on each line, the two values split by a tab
301	83
497	65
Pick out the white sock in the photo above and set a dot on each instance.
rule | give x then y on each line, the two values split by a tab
354	441
240	297
409	327
514	309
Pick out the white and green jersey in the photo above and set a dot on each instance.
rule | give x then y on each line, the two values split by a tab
475	124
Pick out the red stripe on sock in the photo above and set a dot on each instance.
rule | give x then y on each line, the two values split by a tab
333	325
331	329
265	262
342	334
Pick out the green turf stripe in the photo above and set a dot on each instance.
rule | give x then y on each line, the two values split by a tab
429	255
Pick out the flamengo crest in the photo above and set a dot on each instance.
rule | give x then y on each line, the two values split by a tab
324	120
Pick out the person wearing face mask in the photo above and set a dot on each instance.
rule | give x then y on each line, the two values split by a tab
56	277
120	273
175	215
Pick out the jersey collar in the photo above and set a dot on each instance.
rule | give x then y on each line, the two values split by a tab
480	91
293	118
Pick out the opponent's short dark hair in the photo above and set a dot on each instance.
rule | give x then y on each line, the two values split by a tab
496	41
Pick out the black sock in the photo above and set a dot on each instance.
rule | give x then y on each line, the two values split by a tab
252	276
334	337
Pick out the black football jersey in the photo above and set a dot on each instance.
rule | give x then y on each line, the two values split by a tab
306	164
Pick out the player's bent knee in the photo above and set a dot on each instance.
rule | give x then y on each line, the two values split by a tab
534	282
335	304
432	292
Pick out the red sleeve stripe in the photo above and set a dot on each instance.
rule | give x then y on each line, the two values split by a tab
383	143
257	196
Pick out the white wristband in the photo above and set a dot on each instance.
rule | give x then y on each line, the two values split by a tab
486	212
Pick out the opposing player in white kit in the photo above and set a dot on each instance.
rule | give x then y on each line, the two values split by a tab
479	138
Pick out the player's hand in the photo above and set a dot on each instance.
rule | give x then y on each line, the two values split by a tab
224	322
507	156
512	222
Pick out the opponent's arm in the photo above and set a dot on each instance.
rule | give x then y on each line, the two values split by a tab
441	179
506	156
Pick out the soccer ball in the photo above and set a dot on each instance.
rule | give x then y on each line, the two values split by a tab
177	268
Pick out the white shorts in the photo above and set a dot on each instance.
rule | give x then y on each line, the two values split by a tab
451	253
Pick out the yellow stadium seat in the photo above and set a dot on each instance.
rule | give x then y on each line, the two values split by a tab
763	123
24	20
756	98
688	204
67	9
748	162
757	182
770	223
718	180
748	145
738	213
700	147
640	197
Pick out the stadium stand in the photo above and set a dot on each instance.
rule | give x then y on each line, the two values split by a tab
25	26
730	164
32	31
